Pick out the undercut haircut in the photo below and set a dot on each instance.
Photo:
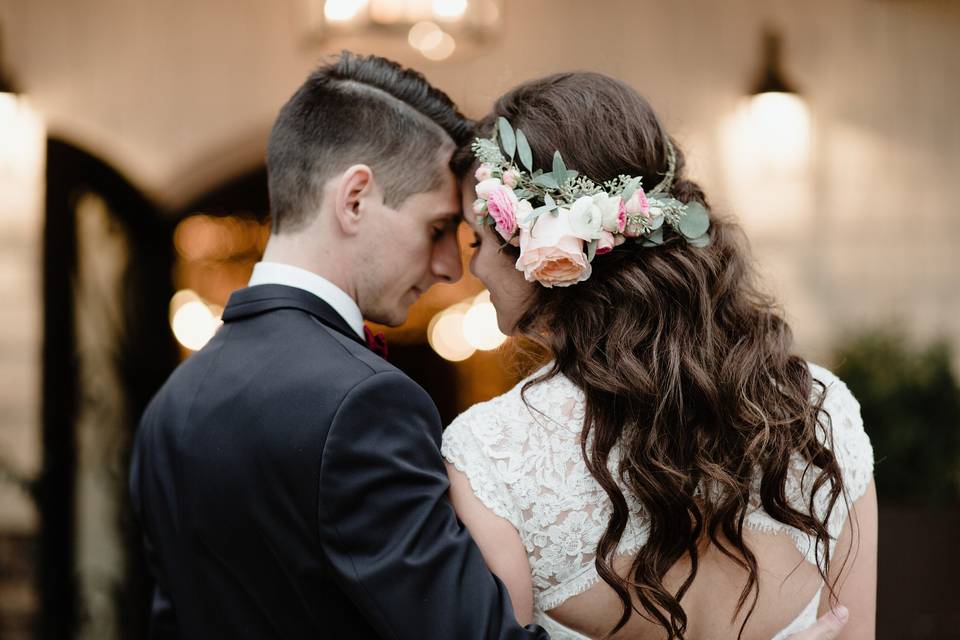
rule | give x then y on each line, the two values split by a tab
359	110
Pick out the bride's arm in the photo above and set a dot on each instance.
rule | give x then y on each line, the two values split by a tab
855	563
499	542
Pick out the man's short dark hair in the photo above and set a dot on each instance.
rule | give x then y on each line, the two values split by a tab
359	109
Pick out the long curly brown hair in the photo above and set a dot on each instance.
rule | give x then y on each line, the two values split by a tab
685	365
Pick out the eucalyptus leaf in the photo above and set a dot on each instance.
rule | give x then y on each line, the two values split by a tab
592	249
523	150
696	221
547	181
549	201
522	193
536	213
571	174
559	169
490	221
656	222
656	237
630	189
507	140
702	241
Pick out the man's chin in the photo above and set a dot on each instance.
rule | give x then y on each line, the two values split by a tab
393	318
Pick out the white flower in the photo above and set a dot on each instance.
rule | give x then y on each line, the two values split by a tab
586	217
611	214
524	209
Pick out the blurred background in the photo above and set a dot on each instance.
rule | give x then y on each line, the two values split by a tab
133	201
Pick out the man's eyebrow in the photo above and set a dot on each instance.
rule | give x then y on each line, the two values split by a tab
450	217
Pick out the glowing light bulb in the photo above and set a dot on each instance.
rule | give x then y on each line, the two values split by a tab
449	9
342	10
781	127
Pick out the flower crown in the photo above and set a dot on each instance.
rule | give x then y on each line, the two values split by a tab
574	211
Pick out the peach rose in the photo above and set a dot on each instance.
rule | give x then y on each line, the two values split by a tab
510	178
551	254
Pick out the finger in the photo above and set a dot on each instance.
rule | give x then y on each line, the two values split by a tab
828	627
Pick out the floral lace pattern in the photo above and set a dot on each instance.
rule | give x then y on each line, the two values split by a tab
527	467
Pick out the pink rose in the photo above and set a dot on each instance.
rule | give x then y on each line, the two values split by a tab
551	254
502	205
483	172
606	243
510	178
485	187
621	222
637	203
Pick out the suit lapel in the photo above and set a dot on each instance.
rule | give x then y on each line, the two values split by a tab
263	298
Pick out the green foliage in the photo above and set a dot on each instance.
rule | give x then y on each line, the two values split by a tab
523	150
696	222
910	401
507	138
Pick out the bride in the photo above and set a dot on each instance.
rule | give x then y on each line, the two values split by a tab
673	470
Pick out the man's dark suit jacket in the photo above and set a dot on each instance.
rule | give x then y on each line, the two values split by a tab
289	484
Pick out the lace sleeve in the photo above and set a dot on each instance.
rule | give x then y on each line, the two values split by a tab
466	451
851	445
845	434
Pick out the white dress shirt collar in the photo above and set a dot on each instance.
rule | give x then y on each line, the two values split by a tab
279	273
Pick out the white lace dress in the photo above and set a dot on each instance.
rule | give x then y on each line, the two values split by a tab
529	470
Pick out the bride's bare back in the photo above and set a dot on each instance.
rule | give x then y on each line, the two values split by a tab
787	585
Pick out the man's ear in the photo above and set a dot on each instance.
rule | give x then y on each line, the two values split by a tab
356	192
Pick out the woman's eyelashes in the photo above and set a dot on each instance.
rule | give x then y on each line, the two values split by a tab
476	241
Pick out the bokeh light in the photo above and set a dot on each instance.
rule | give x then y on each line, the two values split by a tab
192	320
445	334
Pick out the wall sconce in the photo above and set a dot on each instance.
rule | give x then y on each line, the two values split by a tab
432	27
22	148
766	147
776	111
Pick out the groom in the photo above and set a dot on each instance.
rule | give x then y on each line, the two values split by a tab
288	480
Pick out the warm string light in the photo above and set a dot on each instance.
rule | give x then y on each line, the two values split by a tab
433	23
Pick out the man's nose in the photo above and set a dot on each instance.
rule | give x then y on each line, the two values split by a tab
446	264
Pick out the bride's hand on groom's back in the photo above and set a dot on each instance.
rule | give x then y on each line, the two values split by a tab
828	627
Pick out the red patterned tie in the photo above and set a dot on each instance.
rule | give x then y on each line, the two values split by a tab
376	341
